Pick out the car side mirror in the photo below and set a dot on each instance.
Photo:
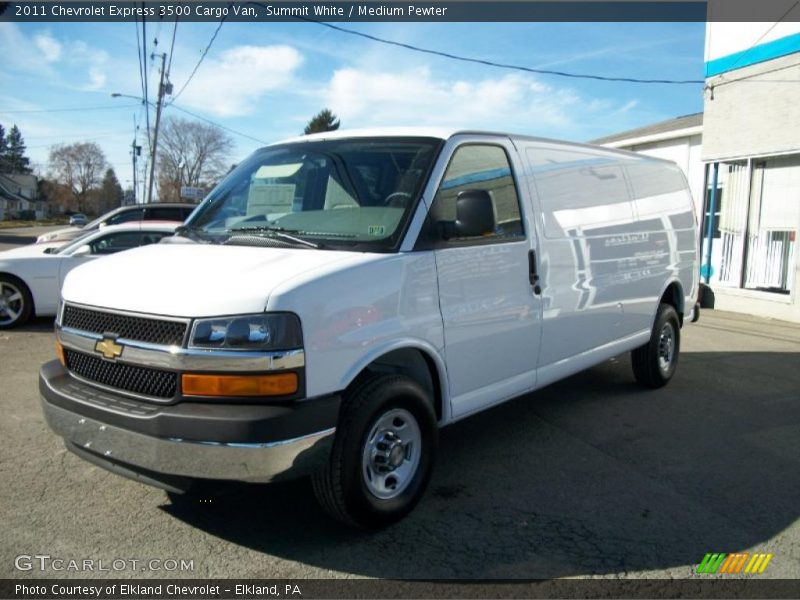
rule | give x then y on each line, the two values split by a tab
85	250
474	215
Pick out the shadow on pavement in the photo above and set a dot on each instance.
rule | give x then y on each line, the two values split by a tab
592	475
17	240
37	324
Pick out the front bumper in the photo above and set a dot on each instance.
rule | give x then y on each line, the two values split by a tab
168	446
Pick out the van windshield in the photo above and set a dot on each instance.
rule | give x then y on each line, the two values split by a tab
355	193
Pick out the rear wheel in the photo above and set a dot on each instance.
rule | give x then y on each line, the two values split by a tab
382	455
655	362
16	302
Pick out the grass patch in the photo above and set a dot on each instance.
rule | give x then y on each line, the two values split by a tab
43	223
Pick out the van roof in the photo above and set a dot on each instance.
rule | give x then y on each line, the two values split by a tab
444	133
431	132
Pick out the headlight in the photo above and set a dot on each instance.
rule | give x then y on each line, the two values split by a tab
276	331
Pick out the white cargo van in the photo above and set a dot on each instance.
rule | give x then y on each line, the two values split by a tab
341	296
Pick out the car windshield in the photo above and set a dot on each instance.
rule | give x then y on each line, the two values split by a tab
348	194
73	245
96	223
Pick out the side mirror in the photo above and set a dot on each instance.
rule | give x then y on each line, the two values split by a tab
85	250
474	215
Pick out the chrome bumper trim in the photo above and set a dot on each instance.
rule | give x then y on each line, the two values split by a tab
175	358
256	463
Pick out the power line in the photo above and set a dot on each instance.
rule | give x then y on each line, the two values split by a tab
172	46
75	109
750	78
200	61
210	122
139	53
490	63
146	76
763	35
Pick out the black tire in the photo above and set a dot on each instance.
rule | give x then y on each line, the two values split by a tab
655	363
344	487
16	312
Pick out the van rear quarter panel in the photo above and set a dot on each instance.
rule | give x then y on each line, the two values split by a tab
614	230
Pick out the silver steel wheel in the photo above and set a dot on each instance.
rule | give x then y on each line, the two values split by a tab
391	454
666	348
12	303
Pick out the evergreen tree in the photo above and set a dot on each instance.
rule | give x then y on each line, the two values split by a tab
111	194
324	120
3	151
16	160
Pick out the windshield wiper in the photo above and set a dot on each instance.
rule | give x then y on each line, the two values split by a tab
278	232
182	230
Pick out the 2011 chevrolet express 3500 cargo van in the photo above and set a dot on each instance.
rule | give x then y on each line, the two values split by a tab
341	296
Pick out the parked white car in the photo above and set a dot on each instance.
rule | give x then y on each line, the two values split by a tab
340	297
156	211
31	276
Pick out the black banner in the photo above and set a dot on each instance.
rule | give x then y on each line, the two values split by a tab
173	589
432	10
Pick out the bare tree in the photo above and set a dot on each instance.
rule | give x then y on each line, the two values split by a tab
79	168
192	154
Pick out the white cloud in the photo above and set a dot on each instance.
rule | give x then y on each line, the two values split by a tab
628	106
417	97
48	46
71	63
233	84
97	78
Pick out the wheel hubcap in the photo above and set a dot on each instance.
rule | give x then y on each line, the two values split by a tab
10	303
391	454
666	348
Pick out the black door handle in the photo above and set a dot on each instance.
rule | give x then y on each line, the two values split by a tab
533	275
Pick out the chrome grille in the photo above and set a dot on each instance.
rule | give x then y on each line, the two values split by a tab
139	380
140	329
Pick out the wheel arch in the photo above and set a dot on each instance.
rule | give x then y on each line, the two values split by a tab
412	358
673	295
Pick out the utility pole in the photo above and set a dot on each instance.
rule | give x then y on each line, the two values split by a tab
135	152
161	92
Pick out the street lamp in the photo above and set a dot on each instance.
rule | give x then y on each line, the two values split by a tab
136	150
162	89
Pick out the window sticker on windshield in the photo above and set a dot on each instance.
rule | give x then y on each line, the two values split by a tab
376	230
270	198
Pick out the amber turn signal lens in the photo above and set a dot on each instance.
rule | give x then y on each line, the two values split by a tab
60	354
196	384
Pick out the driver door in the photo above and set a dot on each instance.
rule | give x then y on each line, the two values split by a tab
490	310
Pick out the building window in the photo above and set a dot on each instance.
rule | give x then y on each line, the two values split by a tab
755	247
772	225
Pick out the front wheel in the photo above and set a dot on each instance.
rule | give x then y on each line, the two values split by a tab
655	362
382	455
16	302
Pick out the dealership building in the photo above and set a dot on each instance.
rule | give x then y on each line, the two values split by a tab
745	146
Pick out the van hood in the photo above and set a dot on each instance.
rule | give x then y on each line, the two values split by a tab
196	280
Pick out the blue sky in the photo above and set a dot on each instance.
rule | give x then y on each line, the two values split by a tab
267	80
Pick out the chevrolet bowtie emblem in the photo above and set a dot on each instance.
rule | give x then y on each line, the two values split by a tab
109	348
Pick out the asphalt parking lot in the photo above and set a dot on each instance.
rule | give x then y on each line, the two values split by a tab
592	476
